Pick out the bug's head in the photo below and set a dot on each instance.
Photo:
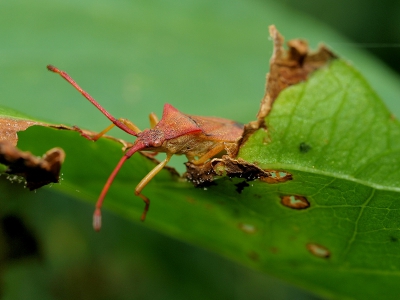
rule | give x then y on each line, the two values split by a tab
151	138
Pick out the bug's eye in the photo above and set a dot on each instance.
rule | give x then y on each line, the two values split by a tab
157	143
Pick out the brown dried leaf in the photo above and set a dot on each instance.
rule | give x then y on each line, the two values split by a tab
36	171
287	67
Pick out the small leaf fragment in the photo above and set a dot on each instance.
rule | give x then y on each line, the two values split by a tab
37	171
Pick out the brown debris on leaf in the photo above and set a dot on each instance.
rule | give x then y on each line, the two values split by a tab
203	175
36	171
287	67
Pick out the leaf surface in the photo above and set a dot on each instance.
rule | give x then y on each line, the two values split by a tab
339	142
341	145
133	56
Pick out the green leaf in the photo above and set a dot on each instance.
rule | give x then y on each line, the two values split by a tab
335	137
205	58
342	146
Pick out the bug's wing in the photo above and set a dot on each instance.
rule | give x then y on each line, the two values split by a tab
219	129
174	123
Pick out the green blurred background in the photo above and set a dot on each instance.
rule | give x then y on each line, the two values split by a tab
205	58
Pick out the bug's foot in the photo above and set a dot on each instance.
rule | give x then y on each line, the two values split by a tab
97	219
143	216
146	205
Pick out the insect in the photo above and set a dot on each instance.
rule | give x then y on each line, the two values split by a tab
199	138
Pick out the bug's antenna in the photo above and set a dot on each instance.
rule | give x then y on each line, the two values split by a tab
99	203
115	121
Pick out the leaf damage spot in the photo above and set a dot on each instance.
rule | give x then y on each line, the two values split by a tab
304	147
295	201
318	250
247	228
277	176
204	175
36	171
254	256
274	250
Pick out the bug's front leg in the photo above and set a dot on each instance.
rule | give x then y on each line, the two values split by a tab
146	180
95	137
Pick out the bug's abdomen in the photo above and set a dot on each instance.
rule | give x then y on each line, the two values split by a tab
191	145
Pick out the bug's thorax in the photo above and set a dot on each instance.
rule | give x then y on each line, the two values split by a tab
193	144
151	138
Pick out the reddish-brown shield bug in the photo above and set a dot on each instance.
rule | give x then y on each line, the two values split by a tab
199	138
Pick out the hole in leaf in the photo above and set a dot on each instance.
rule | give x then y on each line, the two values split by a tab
318	250
247	228
295	202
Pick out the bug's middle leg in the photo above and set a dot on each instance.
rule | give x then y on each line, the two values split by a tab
146	180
